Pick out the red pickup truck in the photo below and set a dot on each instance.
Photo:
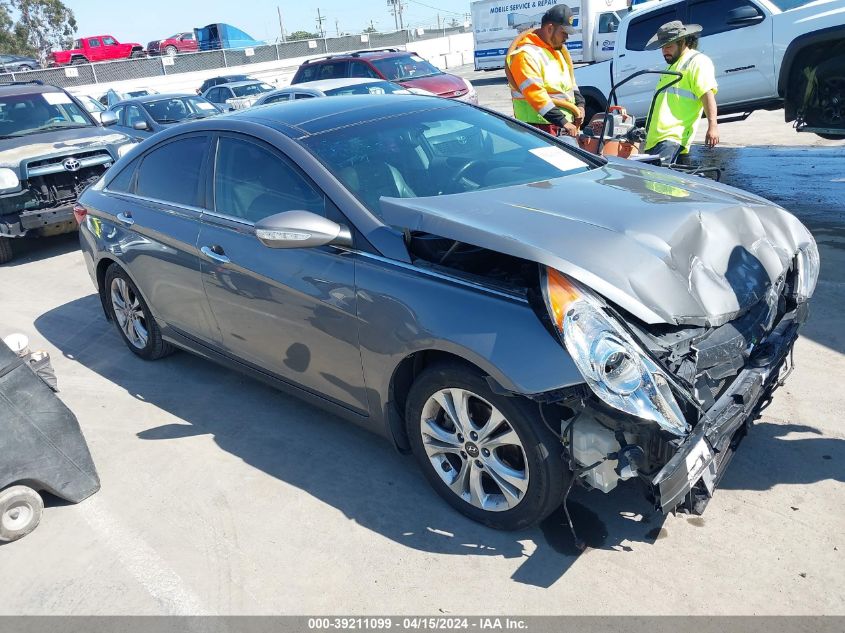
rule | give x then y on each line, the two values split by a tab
97	48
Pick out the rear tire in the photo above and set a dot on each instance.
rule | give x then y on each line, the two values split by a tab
136	54
78	61
132	316
20	512
5	250
498	464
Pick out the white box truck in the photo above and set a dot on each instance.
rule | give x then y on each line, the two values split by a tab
497	22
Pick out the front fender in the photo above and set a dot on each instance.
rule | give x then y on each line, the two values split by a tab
404	310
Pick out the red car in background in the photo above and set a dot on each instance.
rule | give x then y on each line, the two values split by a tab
402	67
173	45
96	48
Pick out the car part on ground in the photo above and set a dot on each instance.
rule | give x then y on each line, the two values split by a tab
42	446
463	276
50	151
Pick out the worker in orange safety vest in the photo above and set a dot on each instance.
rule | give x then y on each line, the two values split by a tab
542	78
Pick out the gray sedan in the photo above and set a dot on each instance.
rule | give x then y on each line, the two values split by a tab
333	88
143	116
520	315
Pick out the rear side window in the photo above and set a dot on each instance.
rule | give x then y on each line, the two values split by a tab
171	173
303	95
306	73
642	29
123	181
93	43
333	70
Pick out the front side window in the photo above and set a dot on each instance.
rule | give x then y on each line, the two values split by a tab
133	115
252	183
179	109
171	172
439	152
407	67
360	69
108	41
250	90
608	23
713	15
21	115
642	29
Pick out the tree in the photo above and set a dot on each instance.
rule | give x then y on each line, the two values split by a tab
35	27
371	29
303	35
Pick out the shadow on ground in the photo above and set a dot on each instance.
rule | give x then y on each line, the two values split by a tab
361	474
32	249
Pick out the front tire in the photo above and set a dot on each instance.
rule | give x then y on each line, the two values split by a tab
132	316
488	456
20	512
171	51
6	253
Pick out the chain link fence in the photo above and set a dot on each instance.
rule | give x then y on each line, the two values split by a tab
142	68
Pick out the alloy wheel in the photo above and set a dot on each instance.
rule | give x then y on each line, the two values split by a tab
474	450
129	313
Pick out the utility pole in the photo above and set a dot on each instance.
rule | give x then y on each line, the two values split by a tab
336	27
438	21
392	4
281	24
320	20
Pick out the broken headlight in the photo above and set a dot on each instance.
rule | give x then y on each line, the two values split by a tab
613	365
808	270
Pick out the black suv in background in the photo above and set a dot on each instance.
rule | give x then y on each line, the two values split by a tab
51	149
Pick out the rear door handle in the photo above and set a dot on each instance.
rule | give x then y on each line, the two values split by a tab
125	218
216	253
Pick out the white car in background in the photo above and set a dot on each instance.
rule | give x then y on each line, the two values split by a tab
94	107
336	88
238	95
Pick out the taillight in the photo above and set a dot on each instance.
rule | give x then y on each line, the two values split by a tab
79	212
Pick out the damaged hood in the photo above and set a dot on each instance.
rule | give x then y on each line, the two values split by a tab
14	150
666	248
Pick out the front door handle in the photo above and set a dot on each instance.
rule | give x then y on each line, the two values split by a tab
125	218
216	253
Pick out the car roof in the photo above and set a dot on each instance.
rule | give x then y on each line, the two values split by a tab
155	97
27	88
376	54
235	84
313	116
329	84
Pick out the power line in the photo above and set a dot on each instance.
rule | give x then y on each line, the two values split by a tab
436	8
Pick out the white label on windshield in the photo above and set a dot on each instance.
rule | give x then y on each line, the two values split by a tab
561	159
375	91
205	106
56	98
417	58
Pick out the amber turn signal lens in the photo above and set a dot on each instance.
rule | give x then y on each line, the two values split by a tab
561	294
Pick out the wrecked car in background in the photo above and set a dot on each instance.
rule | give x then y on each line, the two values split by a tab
517	313
50	150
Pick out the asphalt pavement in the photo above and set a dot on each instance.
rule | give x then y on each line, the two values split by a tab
223	496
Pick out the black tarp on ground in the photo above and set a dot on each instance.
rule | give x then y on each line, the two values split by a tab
41	444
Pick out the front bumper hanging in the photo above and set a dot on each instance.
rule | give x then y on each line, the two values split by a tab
688	480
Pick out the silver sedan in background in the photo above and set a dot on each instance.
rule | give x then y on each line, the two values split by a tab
337	88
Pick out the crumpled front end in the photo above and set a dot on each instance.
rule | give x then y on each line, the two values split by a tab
669	404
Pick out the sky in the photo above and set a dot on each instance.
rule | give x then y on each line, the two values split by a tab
148	20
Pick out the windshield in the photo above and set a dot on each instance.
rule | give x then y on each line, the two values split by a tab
786	5
32	113
179	109
439	152
251	89
370	88
402	68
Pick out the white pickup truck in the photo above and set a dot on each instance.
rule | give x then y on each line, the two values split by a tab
766	54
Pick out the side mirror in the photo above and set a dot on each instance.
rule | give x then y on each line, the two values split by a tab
140	125
108	118
301	229
744	15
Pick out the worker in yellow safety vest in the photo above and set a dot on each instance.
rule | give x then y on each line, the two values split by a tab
678	109
541	76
